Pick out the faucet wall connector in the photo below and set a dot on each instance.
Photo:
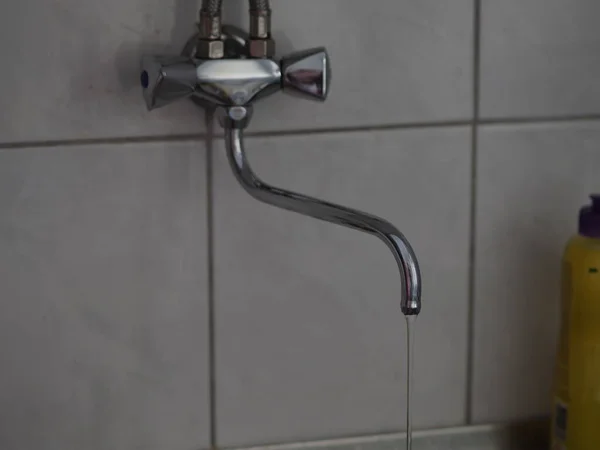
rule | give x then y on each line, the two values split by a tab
211	44
231	69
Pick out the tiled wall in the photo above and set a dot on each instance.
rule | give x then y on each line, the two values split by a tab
148	302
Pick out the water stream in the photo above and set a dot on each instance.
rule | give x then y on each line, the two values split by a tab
410	320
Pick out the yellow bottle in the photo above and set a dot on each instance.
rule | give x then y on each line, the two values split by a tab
576	412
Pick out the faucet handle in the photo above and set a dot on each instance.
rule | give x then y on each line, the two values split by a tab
307	73
165	79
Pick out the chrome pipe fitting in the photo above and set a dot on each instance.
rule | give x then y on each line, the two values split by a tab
210	43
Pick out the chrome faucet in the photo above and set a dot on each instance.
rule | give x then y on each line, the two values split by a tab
227	68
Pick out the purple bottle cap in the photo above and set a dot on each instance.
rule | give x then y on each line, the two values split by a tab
589	218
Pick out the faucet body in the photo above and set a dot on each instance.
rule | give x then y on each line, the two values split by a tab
233	81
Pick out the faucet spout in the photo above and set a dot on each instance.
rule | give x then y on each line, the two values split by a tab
400	247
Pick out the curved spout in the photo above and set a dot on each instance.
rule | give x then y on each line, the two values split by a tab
319	209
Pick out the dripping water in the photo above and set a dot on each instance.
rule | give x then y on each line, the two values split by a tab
409	369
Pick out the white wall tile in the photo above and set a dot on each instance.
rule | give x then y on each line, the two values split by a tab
531	182
540	58
71	68
310	338
392	61
103	318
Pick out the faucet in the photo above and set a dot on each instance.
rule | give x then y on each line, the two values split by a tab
224	67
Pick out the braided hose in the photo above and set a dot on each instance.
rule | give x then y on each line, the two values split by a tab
260	19
210	19
212	8
259	5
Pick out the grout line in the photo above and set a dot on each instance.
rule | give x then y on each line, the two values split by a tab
305	131
101	141
354	129
473	213
539	119
505	434
212	376
201	136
